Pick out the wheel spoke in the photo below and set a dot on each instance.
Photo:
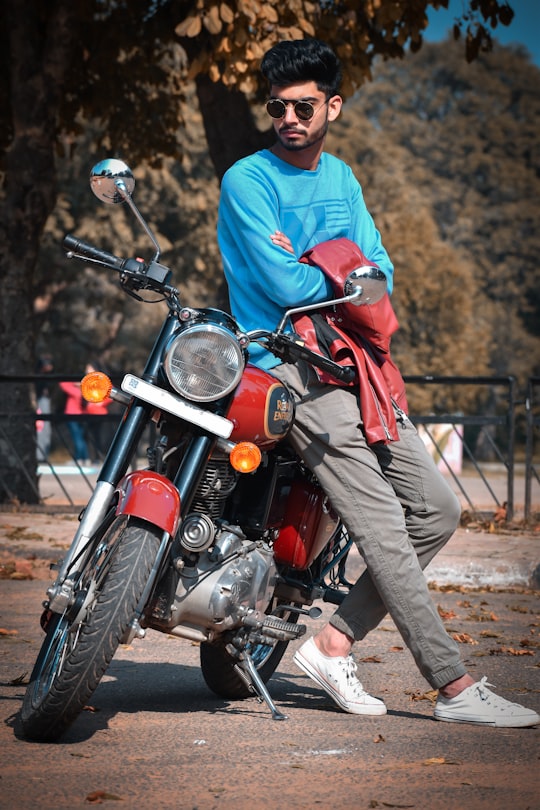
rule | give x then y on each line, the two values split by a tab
81	642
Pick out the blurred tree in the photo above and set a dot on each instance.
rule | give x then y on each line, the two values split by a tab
468	137
125	65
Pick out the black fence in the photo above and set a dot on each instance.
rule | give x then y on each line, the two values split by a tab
532	412
487	439
476	450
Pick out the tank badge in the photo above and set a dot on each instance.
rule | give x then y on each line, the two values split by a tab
280	411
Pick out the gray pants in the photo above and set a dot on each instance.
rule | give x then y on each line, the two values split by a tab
396	506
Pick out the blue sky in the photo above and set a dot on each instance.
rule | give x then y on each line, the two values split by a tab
524	28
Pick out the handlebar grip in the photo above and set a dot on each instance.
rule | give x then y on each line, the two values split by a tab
289	348
344	373
75	245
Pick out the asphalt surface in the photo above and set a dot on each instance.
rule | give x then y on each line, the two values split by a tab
155	736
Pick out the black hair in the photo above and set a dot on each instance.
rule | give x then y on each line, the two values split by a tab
302	60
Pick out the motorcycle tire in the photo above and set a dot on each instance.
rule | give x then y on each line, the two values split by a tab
218	665
75	654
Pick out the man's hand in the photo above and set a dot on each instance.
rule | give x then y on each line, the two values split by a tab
280	239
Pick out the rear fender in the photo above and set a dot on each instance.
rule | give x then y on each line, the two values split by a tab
150	496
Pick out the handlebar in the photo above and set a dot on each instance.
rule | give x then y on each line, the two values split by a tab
135	273
81	248
288	349
138	275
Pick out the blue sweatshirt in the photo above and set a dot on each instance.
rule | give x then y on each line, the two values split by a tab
261	194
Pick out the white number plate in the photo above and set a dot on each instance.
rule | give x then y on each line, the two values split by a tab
174	404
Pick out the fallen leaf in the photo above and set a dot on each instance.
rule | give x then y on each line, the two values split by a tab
371	659
445	614
431	695
389	804
510	651
490	634
379	738
441	761
100	796
20	575
375	803
434	586
463	638
22	533
483	616
4	632
396	649
20	679
6	570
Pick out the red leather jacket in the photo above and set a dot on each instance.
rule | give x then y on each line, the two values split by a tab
359	336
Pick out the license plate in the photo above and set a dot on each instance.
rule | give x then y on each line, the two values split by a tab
174	404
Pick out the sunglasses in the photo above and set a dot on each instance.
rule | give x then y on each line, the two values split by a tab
304	110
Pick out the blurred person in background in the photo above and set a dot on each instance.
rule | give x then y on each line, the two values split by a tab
75	406
43	406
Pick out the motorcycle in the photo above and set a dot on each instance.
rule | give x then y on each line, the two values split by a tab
224	537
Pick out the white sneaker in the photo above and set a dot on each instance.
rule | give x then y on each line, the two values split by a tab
477	704
337	676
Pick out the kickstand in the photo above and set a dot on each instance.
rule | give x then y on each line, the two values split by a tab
248	671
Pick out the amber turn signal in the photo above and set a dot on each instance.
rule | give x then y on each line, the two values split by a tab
245	457
96	386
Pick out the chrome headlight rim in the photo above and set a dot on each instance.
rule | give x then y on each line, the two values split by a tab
178	353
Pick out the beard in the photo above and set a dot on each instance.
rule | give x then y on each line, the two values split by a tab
310	139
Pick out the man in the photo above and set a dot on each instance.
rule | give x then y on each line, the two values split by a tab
275	205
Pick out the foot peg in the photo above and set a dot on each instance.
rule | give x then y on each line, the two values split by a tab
274	627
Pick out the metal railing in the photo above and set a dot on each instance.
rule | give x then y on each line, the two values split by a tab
501	422
532	415
496	428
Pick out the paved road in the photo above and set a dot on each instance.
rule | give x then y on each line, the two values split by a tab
155	737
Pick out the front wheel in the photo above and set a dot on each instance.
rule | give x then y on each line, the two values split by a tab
78	648
218	665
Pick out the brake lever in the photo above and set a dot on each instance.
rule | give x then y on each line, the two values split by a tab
288	349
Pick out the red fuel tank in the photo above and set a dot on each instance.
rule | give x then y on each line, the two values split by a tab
262	409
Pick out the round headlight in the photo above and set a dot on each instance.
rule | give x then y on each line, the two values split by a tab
204	362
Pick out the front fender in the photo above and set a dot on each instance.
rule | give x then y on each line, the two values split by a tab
150	496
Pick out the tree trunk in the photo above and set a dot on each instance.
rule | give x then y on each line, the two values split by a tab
230	129
231	134
38	60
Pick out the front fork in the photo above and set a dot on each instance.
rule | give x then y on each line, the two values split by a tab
144	494
60	593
